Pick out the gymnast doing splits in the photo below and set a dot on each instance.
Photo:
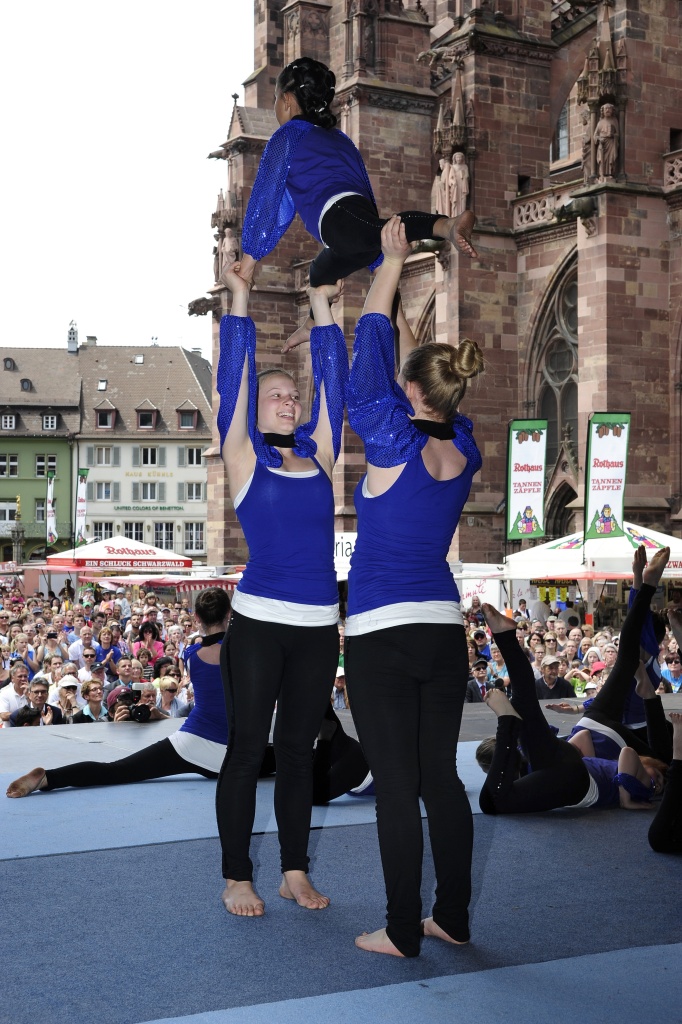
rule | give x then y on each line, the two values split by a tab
549	772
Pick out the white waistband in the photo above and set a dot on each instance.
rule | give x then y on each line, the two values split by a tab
441	613
590	797
589	723
286	613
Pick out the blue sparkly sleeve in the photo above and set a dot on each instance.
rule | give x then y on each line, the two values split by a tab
329	358
271	208
378	409
237	342
632	785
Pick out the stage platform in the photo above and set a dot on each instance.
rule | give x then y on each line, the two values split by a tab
573	916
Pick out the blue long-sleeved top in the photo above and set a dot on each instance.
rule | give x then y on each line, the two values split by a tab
378	408
330	367
303	166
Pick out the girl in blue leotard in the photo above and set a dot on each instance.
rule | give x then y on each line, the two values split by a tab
406	660
310	168
283	643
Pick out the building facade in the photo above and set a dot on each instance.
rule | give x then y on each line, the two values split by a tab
137	419
38	421
559	124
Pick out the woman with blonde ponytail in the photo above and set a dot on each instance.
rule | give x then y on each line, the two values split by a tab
405	648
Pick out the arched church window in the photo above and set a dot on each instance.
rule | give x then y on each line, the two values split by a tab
557	380
560	142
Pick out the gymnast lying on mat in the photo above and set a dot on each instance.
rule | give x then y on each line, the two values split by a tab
554	773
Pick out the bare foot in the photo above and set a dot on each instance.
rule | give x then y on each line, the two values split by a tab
460	233
300	336
297	886
429	927
35	779
241	899
651	574
499	702
377	942
638	564
644	688
497	620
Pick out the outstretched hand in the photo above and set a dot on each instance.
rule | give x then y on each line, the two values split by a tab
331	292
233	280
394	244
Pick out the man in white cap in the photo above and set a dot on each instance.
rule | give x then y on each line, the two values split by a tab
124	604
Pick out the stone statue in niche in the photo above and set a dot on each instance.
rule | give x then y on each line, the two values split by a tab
587	145
607	139
229	249
440	193
459	185
216	258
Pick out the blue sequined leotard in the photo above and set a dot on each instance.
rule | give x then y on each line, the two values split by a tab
303	166
403	534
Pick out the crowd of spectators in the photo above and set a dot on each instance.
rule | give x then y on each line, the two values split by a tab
569	658
95	658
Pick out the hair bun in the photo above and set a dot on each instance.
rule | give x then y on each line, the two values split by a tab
467	359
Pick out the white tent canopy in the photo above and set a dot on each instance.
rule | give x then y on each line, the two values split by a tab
606	559
117	553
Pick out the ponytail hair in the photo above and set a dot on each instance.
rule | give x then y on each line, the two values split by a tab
441	373
313	85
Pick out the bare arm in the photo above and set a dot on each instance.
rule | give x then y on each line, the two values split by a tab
396	249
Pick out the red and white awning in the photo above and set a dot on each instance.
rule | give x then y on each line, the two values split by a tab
119	554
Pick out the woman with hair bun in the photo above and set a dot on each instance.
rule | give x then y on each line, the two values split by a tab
310	168
406	655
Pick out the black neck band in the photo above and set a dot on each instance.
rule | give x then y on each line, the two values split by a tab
212	638
441	431
280	440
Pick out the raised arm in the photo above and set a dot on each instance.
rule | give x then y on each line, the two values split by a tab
237	349
271	208
329	357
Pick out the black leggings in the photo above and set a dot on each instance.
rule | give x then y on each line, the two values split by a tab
351	230
153	762
406	686
609	704
558	778
338	764
665	831
263	664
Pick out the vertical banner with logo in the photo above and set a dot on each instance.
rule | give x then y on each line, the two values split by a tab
81	506
608	434
526	454
51	534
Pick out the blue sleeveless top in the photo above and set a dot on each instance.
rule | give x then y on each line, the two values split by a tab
207	718
404	534
288	524
403	537
604	772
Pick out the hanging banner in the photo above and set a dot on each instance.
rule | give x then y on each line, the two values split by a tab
608	434
526	454
51	534
81	506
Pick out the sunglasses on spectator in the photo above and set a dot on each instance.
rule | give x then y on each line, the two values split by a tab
89	655
673	661
169	690
69	687
38	692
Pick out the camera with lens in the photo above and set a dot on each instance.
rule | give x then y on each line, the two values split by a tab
138	712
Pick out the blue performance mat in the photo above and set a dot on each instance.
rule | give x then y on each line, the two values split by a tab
175	809
147	938
532	993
